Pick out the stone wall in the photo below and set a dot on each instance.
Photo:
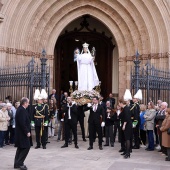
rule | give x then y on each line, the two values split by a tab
29	26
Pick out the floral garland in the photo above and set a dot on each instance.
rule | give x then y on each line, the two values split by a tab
84	97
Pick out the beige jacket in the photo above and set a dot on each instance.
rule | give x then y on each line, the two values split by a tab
3	120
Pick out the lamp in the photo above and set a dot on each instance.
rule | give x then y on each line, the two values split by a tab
71	87
76	85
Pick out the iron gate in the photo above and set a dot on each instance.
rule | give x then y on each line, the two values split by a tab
21	81
154	83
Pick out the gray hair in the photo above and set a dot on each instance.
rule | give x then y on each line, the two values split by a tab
9	104
3	105
165	104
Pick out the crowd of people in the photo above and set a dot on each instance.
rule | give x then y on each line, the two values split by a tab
135	125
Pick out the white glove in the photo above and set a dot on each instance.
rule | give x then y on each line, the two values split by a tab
62	120
89	105
13	126
33	125
45	124
102	124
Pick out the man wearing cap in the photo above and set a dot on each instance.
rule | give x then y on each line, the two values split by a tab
135	117
40	118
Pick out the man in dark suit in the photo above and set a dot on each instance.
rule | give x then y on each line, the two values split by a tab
80	119
70	121
53	95
96	116
22	141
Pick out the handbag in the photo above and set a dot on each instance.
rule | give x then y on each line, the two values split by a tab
168	131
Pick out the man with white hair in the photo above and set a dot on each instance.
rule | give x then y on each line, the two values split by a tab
53	94
159	119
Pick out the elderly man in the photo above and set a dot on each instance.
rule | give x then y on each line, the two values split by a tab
159	119
53	94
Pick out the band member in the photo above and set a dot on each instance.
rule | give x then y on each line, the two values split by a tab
96	121
70	121
40	119
135	116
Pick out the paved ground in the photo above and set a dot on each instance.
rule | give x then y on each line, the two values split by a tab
56	158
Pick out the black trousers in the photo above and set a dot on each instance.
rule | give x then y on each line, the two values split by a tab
117	128
20	156
80	119
40	139
109	134
143	136
136	136
156	135
9	136
97	127
122	138
69	125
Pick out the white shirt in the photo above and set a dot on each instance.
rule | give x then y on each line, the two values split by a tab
95	107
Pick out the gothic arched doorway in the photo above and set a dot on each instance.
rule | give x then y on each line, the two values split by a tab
66	68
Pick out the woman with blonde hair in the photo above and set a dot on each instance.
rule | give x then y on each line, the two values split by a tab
165	136
4	119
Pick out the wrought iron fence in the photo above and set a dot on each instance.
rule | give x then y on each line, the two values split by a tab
154	83
21	81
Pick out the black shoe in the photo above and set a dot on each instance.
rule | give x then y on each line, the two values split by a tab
135	147
37	147
112	145
150	149
127	156
64	146
160	151
106	145
44	147
23	167
121	150
90	148
167	159
124	153
76	146
84	140
100	147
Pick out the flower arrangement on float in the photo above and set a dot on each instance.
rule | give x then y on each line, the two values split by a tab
84	97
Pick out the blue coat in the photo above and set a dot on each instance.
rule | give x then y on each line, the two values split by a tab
142	120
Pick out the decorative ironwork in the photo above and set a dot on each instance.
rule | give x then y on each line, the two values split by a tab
22	80
154	83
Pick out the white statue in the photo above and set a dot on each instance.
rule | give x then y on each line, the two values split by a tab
87	76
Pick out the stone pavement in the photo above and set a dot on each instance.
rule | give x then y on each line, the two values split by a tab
56	158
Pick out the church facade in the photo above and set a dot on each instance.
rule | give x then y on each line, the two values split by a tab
27	27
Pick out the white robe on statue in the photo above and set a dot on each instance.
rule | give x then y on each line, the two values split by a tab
87	76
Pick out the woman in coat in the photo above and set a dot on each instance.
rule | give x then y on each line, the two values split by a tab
142	124
126	125
166	137
150	119
4	119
